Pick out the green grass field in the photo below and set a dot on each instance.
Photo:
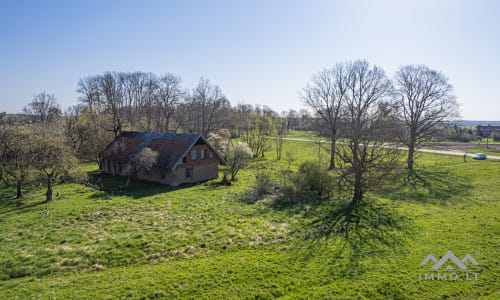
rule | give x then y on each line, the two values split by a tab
218	242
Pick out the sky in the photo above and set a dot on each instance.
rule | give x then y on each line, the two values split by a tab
258	52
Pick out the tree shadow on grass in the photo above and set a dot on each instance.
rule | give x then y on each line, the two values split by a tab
436	186
368	230
9	203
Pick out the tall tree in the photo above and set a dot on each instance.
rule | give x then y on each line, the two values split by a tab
366	159
426	100
111	89
325	94
206	107
44	106
169	95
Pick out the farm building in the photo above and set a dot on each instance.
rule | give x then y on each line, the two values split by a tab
181	158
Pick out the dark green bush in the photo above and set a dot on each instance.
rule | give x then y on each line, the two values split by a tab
311	182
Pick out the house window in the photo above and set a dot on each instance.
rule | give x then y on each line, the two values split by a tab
189	172
193	154
202	153
184	160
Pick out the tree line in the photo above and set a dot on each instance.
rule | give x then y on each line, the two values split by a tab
352	101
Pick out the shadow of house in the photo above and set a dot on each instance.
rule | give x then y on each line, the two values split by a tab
182	158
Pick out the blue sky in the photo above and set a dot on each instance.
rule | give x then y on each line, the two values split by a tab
258	52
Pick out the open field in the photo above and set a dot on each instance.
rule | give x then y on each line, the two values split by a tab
212	241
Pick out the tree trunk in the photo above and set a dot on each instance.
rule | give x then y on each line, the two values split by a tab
358	189
48	194
332	152
411	154
19	185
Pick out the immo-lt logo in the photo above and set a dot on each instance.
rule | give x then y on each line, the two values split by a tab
449	267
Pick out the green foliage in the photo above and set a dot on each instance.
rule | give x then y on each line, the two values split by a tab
262	181
312	180
238	156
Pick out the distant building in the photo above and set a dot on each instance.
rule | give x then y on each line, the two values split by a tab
486	131
185	158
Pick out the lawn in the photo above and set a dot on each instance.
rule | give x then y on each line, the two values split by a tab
220	242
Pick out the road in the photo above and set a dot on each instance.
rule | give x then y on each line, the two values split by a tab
443	152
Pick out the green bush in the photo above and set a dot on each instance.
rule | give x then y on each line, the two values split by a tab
311	181
262	182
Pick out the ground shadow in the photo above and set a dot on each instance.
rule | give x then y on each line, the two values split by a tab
9	203
367	230
109	186
436	186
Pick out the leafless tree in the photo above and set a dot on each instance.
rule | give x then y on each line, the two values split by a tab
426	100
110	88
89	90
169	95
205	107
325	94
44	106
366	160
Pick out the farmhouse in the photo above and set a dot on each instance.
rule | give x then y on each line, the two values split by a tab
182	158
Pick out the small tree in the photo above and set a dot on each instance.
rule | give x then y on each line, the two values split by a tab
54	160
143	161
15	157
238	156
220	141
281	126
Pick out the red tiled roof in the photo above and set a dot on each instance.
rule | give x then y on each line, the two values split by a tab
169	145
121	148
172	149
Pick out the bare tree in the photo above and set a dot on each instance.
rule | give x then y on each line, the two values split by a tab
205	106
325	94
426	100
44	106
111	89
367	161
169	96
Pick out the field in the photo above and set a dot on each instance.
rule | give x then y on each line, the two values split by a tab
221	242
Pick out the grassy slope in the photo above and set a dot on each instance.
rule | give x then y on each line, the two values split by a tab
211	241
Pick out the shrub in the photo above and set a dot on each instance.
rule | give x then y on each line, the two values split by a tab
289	192
262	182
314	179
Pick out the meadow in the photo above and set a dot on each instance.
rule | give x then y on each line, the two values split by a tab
210	241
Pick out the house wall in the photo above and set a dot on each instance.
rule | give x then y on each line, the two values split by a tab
202	169
112	167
